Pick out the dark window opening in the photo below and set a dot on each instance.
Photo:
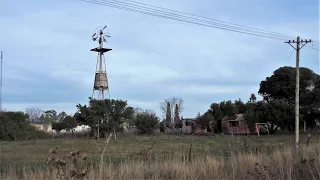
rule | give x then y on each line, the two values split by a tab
234	123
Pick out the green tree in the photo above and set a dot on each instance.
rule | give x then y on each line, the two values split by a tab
147	122
227	108
276	113
311	105
240	106
281	85
204	120
216	111
252	98
312	118
104	116
217	114
84	115
252	115
132	121
58	126
69	122
14	126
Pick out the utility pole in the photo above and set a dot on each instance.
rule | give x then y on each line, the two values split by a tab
299	45
1	57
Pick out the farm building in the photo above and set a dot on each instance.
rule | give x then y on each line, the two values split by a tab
235	124
81	128
189	125
42	127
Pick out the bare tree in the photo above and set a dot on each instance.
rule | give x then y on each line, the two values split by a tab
34	114
173	101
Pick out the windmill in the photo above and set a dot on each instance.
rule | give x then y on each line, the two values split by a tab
100	85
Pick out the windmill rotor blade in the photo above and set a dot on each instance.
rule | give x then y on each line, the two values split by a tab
94	34
104	27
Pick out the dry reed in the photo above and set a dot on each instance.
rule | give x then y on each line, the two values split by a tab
283	163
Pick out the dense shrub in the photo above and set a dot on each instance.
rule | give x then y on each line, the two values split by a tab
146	122
14	126
66	123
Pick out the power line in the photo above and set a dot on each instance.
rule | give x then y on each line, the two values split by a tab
211	19
313	48
290	54
184	19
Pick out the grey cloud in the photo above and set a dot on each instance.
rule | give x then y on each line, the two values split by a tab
152	58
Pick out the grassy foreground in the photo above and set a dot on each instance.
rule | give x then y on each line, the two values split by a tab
171	157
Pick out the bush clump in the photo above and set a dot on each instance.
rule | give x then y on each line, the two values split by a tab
14	127
146	122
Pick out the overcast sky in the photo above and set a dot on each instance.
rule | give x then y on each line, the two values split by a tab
48	63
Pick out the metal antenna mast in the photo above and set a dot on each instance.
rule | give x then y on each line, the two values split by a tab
1	57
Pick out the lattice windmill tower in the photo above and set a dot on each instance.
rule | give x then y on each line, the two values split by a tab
100	85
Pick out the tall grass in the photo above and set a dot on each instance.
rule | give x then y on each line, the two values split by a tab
247	161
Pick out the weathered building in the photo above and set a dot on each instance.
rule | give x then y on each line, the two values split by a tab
235	124
187	125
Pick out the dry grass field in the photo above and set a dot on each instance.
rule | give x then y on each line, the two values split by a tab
169	157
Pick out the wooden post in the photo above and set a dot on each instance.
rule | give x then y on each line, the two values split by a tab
297	106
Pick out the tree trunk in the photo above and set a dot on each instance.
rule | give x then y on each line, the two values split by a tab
309	136
95	133
114	134
99	131
272	128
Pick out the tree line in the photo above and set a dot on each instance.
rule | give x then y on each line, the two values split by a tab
276	108
102	116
